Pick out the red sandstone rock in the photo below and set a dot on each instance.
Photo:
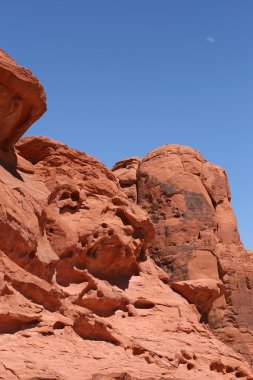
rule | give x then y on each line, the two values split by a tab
22	100
188	200
125	171
76	289
79	296
86	223
202	292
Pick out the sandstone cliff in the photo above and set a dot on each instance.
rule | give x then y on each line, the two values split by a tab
197	240
81	296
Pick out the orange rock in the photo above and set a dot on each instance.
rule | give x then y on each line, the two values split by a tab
79	296
188	200
125	171
22	100
86	223
202	292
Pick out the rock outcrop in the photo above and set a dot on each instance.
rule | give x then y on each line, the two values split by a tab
125	171
188	200
80	296
202	293
22	101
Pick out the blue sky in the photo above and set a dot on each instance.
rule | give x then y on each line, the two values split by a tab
123	77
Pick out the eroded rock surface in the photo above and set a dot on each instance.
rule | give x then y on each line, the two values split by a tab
202	293
188	200
22	101
80	298
78	293
125	171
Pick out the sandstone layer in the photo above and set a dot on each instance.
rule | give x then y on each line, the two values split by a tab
80	294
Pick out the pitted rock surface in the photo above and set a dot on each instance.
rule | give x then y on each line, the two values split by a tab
80	297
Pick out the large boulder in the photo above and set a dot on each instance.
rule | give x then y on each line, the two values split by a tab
22	101
188	200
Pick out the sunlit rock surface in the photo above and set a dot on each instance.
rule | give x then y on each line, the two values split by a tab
80	294
188	200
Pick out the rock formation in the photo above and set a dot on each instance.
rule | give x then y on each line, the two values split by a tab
125	171
188	200
80	294
22	101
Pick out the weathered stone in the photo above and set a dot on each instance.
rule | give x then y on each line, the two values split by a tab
80	298
125	171
188	200
202	292
22	101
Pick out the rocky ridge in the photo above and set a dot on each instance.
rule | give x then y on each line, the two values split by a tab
88	289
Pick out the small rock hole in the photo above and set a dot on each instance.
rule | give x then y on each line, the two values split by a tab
47	333
138	350
32	255
120	214
100	293
58	326
64	196
83	243
80	266
75	196
144	304
239	374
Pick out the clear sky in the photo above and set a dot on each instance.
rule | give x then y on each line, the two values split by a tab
125	76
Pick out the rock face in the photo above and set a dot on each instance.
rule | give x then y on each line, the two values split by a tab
77	286
80	297
125	171
22	101
202	293
188	200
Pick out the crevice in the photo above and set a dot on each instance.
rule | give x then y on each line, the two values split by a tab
11	370
125	185
121	215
